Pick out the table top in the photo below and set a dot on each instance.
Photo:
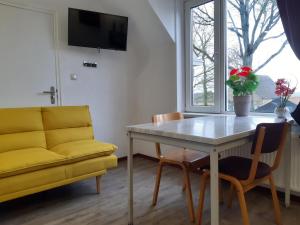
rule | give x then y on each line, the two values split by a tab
212	130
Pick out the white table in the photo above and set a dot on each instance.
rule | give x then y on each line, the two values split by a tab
211	134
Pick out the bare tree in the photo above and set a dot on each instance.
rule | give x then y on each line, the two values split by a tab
203	53
252	23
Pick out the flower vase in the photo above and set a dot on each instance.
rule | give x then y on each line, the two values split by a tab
242	105
281	112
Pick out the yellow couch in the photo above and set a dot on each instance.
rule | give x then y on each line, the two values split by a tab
46	147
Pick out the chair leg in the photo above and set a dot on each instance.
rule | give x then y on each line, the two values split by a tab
189	197
275	202
183	186
244	211
157	183
201	198
221	195
230	196
98	184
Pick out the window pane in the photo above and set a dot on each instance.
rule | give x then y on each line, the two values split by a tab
203	54
256	38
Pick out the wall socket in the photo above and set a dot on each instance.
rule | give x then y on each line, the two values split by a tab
90	64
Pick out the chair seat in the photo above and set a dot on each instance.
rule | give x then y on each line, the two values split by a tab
188	157
239	167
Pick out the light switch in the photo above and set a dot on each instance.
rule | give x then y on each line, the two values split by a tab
73	76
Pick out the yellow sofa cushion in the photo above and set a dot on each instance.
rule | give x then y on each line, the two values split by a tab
21	128
35	179
28	160
85	149
91	166
61	136
18	120
67	123
66	117
22	140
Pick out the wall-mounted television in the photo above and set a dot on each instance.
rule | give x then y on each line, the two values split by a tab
97	30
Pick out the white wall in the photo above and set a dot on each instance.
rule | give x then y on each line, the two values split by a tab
127	87
171	15
165	10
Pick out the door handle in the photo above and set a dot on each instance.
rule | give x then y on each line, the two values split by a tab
52	93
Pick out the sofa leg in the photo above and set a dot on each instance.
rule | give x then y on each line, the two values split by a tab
98	184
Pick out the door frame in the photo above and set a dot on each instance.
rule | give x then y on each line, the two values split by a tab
54	16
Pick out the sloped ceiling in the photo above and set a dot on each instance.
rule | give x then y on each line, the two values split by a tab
165	10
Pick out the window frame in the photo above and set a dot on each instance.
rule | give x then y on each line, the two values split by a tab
219	52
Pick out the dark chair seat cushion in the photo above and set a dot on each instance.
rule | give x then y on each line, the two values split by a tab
239	167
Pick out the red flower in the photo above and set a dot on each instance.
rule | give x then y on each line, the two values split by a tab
280	81
282	88
234	72
246	69
244	73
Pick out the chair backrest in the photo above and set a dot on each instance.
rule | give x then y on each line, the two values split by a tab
268	138
167	117
163	118
272	139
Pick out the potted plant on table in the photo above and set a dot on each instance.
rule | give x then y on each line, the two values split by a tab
243	82
284	91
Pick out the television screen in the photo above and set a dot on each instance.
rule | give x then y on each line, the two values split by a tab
97	30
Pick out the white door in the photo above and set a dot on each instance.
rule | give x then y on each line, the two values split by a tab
27	57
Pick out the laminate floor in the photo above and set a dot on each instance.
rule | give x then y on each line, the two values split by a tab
78	204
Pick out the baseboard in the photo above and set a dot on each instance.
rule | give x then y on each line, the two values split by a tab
120	159
139	155
294	196
124	158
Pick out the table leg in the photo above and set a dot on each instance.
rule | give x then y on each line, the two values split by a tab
214	187
130	181
287	168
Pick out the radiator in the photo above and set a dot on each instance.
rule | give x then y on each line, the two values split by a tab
269	158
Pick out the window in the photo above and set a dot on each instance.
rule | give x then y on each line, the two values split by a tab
203	86
250	34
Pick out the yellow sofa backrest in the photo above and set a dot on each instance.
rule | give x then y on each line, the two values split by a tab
66	123
21	128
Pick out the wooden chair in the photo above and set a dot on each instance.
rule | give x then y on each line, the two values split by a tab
245	174
182	158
